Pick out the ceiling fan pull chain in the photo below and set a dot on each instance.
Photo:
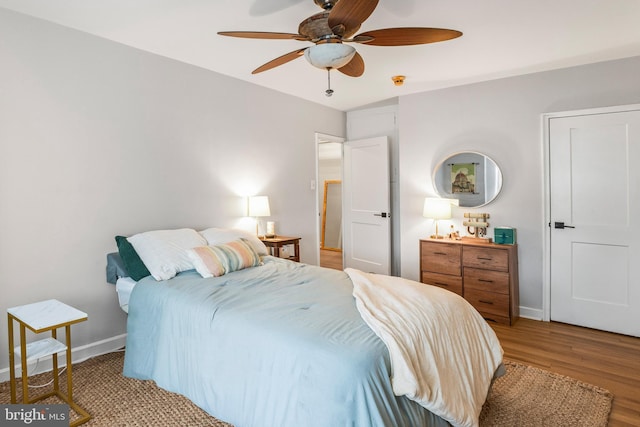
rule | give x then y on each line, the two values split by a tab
329	91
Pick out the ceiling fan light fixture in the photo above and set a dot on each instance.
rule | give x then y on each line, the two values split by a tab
329	55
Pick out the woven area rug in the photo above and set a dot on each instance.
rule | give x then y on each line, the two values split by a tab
528	396
525	396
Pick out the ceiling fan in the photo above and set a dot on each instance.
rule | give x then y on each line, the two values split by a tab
336	25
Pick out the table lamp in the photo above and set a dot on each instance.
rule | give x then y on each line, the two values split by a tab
436	208
259	207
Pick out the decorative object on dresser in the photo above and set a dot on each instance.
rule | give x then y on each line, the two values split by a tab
504	235
477	227
485	274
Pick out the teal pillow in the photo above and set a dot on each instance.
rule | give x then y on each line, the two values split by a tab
132	262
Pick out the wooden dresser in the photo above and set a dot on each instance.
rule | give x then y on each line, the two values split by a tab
485	274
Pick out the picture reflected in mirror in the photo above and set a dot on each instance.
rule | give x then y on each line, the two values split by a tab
472	178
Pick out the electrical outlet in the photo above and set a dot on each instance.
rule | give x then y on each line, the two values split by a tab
312	185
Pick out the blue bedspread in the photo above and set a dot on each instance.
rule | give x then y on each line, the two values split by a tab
272	346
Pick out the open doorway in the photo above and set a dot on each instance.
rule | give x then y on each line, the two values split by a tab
329	200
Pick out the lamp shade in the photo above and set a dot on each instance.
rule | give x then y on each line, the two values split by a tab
329	55
437	208
259	206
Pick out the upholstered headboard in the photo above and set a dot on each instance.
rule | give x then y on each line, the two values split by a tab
115	268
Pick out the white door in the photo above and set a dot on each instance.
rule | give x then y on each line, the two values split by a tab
367	222
594	201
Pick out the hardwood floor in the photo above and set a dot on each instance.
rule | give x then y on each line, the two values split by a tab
608	360
331	259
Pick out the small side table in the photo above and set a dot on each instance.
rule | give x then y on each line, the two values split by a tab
40	317
277	242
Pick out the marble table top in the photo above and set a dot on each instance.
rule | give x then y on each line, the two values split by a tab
46	314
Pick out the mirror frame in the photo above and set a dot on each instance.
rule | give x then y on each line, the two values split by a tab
470	199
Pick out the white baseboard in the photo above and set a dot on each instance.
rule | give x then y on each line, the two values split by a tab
78	354
531	313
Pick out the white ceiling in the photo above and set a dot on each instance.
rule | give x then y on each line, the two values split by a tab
501	38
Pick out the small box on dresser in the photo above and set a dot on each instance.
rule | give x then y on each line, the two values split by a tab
504	235
485	274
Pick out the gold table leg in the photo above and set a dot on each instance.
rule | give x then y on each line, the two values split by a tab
54	358
23	364
12	362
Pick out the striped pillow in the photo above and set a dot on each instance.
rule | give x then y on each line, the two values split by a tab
214	261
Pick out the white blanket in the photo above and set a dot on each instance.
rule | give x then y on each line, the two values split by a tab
443	353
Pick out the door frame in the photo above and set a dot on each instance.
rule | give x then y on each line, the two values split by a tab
546	226
321	138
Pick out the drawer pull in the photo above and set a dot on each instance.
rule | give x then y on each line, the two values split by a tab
486	302
439	253
441	284
485	259
485	280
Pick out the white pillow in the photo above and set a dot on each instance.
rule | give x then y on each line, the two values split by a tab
164	252
220	236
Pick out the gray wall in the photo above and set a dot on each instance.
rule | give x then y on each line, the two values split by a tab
502	119
99	139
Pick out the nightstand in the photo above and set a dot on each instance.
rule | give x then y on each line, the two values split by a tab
40	317
277	242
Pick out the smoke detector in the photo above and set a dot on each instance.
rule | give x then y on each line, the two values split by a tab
398	80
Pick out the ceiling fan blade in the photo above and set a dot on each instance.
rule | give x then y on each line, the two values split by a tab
263	35
406	36
355	67
351	14
280	60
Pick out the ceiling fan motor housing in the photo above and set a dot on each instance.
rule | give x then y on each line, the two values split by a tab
325	4
316	27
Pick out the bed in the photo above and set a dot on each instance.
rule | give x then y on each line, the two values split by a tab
283	343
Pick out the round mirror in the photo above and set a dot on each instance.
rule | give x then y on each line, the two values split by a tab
472	178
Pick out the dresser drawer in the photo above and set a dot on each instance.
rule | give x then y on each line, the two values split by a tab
445	281
489	258
486	280
441	258
488	302
505	320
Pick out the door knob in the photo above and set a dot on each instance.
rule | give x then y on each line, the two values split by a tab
383	215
